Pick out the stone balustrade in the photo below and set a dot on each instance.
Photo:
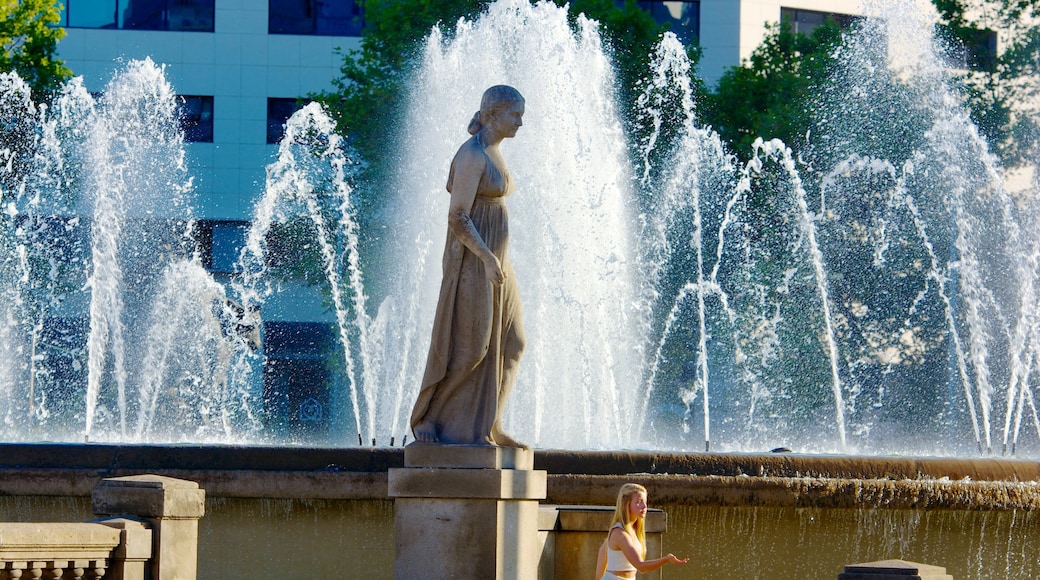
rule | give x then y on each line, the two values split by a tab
74	550
153	533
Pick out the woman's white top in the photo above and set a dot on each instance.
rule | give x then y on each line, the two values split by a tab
616	560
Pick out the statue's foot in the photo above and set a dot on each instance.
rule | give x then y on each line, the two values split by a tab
503	439
425	432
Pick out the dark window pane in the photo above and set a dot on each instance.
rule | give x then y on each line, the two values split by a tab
805	21
682	17
139	14
91	13
297	379
278	112
196	114
290	17
143	14
228	239
338	18
319	17
194	15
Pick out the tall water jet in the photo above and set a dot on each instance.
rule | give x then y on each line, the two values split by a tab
308	188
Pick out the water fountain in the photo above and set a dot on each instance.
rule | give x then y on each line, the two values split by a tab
868	297
876	296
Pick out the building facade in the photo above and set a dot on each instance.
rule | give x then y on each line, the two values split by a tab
242	65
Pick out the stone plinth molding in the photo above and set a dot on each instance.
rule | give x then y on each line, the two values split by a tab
463	511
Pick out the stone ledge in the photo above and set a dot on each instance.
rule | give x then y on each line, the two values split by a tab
149	496
427	482
217	483
800	492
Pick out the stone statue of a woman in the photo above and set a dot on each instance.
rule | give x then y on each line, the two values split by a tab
478	333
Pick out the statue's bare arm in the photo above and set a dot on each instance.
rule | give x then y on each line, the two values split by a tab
468	168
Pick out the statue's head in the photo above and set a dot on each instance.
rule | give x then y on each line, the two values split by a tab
495	100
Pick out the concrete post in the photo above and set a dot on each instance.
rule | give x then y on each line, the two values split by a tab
130	560
171	506
893	570
466	511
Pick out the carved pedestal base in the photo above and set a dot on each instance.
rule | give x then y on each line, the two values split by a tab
465	511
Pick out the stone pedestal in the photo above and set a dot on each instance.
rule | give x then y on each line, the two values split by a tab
894	570
463	511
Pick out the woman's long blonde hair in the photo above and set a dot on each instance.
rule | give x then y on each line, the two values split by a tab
638	525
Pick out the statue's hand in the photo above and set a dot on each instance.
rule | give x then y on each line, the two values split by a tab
493	270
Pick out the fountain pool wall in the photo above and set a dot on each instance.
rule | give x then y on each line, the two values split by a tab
309	512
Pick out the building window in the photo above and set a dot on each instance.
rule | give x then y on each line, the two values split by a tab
298	381
196	115
805	21
278	112
220	244
194	15
317	17
682	17
974	50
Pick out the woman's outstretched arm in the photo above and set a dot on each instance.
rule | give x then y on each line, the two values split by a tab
634	553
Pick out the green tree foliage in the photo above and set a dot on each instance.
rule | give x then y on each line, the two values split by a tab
770	96
372	78
999	84
29	38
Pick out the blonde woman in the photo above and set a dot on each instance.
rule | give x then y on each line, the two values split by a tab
623	553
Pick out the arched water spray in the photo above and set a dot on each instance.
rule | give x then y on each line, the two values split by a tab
137	176
311	180
197	364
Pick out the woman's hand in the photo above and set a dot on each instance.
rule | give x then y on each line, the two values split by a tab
493	269
674	560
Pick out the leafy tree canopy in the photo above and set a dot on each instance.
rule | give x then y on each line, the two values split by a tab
1002	79
28	40
770	96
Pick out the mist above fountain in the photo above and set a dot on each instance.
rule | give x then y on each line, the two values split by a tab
875	295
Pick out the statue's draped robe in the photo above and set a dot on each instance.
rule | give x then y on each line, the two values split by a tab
477	330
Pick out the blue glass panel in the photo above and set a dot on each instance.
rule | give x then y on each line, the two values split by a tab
190	15
228	241
682	17
196	114
91	13
317	17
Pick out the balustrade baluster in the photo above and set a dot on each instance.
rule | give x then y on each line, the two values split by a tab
11	571
96	571
54	570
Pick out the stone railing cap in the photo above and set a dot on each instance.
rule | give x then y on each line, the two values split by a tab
894	567
148	481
